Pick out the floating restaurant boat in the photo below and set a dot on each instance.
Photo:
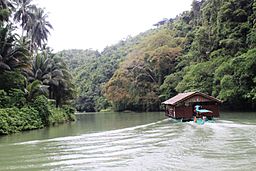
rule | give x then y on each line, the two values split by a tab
186	106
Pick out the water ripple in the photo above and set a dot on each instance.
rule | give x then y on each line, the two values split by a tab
162	145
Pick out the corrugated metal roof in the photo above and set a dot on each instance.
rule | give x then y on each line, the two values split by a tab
183	96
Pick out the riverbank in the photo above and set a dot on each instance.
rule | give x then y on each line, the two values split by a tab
29	116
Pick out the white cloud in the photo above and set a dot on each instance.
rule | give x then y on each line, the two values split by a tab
97	23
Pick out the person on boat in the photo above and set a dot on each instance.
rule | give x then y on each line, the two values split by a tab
204	118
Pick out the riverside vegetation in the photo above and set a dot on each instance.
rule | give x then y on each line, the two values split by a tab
211	48
35	86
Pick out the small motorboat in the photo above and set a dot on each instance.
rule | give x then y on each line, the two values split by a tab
199	121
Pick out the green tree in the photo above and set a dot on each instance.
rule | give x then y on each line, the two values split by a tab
35	89
38	28
12	56
135	85
52	72
24	13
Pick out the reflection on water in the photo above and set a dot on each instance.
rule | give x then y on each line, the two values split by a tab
135	141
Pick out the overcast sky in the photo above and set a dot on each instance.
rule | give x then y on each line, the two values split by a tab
83	24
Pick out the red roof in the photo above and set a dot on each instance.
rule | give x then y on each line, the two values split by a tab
183	96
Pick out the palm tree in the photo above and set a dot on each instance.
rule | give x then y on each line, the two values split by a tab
24	13
38	29
52	72
65	90
34	89
34	21
12	55
44	68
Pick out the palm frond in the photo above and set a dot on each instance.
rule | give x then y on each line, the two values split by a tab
4	66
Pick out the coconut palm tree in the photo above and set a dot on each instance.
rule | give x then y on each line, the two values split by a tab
34	89
24	13
51	71
45	69
12	55
38	28
34	21
65	90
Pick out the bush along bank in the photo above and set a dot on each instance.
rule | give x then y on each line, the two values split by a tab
31	75
17	114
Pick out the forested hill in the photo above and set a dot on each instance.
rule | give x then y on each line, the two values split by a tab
92	70
211	48
76	58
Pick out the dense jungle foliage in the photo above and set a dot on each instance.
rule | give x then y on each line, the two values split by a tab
91	70
211	48
36	88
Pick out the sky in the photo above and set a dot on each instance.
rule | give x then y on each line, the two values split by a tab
95	24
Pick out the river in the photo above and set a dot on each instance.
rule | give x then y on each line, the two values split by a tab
134	141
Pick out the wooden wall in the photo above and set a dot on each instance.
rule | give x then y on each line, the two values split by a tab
186	112
214	108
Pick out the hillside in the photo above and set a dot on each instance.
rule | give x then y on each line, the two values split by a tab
91	70
210	48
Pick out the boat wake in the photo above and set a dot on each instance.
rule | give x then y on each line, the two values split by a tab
161	145
99	134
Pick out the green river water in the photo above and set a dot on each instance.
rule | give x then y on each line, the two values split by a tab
134	141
